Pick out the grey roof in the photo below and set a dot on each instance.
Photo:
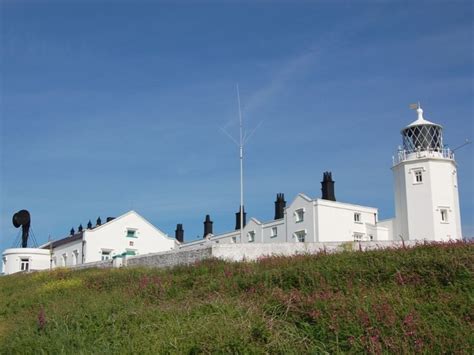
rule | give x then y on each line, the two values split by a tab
68	239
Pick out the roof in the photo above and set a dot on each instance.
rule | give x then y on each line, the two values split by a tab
79	235
69	239
421	120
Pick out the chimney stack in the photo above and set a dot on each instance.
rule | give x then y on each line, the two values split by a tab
327	187
280	205
207	226
110	219
89	224
179	233
79	229
98	222
237	218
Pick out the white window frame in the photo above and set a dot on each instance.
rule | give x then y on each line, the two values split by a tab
105	254
135	232
357	217
300	236
251	236
299	215
24	264
274	232
444	214
358	237
418	176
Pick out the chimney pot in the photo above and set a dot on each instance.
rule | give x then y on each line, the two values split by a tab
327	187
237	218
280	205
179	233
207	226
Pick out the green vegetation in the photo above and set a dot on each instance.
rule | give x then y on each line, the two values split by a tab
393	301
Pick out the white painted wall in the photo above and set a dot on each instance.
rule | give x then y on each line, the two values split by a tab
389	224
67	250
323	221
260	250
308	224
112	236
38	259
280	228
418	205
336	221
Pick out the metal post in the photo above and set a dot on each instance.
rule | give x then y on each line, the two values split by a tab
241	149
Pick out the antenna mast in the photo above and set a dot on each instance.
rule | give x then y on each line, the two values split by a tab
243	139
241	151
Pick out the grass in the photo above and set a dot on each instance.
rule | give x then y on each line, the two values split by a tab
393	301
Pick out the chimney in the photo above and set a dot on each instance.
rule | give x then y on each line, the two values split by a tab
72	232
327	187
79	229
89	224
99	221
207	226
237	218
110	219
280	205
179	233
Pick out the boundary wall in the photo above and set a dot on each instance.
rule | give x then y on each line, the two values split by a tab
238	252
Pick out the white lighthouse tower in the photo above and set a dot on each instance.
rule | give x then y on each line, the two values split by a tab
426	187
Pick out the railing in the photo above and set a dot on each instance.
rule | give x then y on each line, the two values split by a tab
402	155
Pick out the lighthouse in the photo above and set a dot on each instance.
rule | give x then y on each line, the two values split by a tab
426	187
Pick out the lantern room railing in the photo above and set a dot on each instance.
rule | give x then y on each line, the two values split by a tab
402	154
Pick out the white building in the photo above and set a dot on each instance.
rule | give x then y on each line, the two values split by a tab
426	208
24	259
129	234
426	186
426	202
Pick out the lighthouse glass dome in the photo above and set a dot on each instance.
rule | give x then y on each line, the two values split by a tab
422	135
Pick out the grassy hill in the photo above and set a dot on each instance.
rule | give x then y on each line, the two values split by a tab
397	301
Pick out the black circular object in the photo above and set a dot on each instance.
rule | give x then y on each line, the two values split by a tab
21	218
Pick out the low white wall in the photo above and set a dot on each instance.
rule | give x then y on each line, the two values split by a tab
238	252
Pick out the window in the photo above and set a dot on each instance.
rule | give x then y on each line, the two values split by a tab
64	259
251	236
233	240
299	215
444	215
131	233
130	243
358	237
357	218
418	176
24	264
274	232
105	255
300	236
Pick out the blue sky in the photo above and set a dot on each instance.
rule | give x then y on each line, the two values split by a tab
113	105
